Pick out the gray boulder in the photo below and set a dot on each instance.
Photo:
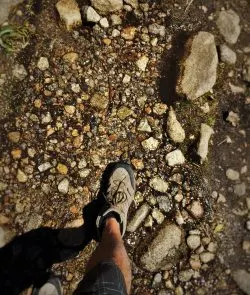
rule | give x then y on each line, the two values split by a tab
242	278
199	68
163	248
228	25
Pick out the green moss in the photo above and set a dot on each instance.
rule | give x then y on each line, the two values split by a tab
11	36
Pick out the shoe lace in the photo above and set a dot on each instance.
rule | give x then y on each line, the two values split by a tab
116	195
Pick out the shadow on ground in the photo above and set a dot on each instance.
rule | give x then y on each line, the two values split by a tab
170	69
26	260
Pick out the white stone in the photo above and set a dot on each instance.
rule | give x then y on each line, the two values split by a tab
107	6
228	24
199	68
126	79
142	63
82	163
158	216
196	209
116	20
174	128
138	218
43	63
193	241
175	158
157	29
232	174
233	118
206	257
227	55
84	173
159	184
45	166
150	144
236	89
75	88
19	72
246	70
116	33
164	244
69	13
242	278
21	176
63	186
90	14
104	22
46	118
205	134
144	125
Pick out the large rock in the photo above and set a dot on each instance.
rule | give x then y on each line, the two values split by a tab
174	128
228	25
106	6
163	248
206	133
199	68
242	278
69	13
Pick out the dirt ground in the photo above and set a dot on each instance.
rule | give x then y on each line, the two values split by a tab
56	121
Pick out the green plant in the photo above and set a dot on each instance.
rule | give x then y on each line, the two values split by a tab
11	36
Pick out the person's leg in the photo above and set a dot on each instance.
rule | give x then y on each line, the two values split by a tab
108	270
112	248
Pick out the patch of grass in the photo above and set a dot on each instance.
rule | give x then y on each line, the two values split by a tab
12	36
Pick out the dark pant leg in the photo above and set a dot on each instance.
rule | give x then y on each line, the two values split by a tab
104	279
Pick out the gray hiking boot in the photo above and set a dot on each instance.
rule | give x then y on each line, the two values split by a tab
119	195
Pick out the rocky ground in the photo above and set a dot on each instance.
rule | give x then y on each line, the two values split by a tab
163	85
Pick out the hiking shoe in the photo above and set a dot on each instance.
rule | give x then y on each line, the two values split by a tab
119	194
51	287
